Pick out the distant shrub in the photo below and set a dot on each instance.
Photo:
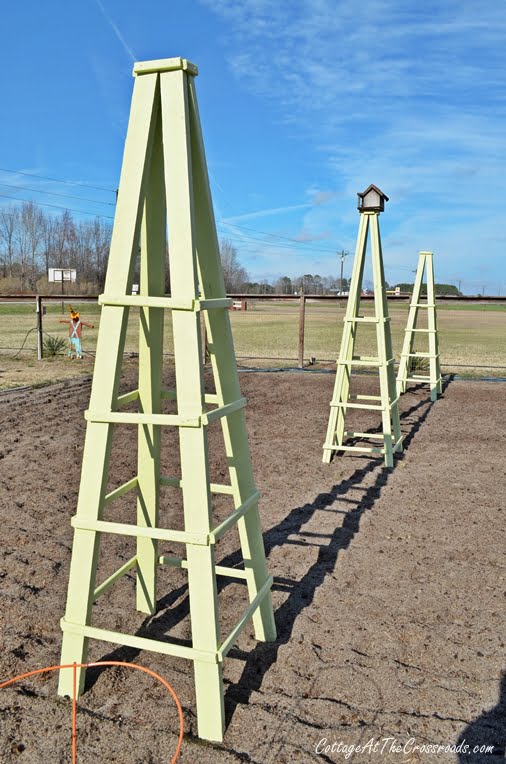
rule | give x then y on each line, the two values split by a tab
53	346
419	364
11	285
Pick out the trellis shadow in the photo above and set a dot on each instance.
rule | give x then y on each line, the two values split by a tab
264	655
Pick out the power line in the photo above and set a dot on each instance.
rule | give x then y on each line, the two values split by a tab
59	180
276	236
55	193
57	207
276	244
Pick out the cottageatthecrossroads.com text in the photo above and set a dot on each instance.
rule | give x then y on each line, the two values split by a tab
386	745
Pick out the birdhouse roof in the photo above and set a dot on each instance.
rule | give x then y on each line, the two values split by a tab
372	187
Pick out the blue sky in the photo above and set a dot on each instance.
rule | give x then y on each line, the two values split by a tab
302	103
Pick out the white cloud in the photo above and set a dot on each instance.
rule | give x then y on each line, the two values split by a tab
406	95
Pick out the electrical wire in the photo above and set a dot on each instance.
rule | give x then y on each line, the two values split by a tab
57	207
58	180
55	193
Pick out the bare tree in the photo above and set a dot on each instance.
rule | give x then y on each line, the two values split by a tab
32	222
7	233
234	274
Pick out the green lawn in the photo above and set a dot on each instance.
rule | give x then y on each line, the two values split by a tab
471	335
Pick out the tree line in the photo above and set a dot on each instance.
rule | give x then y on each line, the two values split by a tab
32	241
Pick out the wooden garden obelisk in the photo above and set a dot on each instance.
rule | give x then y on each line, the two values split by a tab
164	186
406	372
371	203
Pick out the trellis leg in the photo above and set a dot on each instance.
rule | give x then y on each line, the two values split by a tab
190	396
390	410
335	428
152	283
409	337
227	382
110	346
434	366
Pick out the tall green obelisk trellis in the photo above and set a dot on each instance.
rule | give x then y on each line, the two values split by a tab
164	184
406	371
371	203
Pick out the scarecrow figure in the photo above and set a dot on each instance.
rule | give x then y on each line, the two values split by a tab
75	331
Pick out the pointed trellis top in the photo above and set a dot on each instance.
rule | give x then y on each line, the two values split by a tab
372	199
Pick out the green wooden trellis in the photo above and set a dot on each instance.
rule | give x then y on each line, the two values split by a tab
164	184
371	203
405	373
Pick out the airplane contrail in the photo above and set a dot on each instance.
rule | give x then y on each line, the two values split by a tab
116	31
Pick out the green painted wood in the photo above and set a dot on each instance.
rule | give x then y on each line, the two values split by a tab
190	401
109	353
383	361
152	284
425	265
224	367
164	187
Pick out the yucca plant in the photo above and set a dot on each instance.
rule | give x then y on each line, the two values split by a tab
419	365
53	346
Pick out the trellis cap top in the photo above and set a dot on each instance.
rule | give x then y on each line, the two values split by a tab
372	199
164	65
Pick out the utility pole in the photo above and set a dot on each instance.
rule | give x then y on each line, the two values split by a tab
460	284
343	255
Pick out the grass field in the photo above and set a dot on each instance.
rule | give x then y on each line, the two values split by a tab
472	337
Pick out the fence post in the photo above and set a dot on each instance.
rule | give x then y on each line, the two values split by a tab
302	316
40	351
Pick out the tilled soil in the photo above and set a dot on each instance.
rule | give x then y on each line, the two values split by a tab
389	587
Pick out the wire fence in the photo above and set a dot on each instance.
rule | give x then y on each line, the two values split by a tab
302	330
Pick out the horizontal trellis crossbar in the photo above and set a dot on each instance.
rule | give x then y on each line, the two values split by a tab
174	420
364	450
366	319
170	648
125	529
119	417
422	379
362	361
220	570
140	643
347	404
167	302
351	434
419	354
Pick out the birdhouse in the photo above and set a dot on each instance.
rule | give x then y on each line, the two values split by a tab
372	199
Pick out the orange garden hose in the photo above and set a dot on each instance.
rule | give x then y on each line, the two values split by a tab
74	667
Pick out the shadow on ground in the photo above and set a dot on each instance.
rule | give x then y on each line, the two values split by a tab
301	593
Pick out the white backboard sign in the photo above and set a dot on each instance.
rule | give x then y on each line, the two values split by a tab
61	274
